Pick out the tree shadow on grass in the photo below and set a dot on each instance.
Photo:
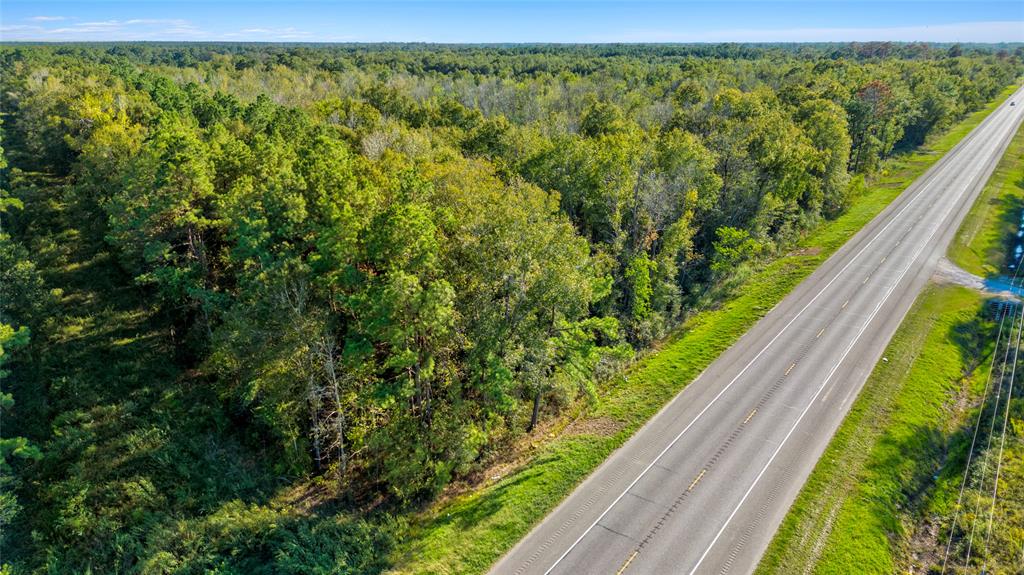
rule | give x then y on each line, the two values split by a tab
497	497
465	516
133	442
910	461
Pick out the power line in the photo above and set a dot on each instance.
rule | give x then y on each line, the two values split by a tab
988	446
974	438
1002	444
981	412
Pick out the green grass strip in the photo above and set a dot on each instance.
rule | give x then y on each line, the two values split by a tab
468	533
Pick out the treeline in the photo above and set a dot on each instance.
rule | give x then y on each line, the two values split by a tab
390	262
518	59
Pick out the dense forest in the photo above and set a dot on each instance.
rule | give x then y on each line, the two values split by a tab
240	280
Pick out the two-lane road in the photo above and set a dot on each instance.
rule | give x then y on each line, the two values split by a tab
703	485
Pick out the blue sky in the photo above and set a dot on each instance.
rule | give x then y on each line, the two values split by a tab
512	21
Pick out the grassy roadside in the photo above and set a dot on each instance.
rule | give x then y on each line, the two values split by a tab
467	533
905	423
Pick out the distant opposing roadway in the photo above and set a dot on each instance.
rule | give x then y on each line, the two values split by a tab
702	487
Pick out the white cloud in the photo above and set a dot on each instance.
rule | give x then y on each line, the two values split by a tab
101	24
135	22
19	28
143	29
48	18
83	30
156	22
268	34
112	30
1011	31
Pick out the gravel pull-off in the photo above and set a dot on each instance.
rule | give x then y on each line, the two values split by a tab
948	273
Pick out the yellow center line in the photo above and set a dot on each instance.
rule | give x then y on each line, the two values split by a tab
749	417
791	366
697	480
846	303
865	280
819	333
883	260
628	561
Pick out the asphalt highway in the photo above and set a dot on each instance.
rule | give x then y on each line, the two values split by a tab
702	487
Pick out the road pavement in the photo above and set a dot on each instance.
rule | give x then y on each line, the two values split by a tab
702	487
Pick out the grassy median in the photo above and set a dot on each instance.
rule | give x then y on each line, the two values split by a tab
467	533
980	246
874	501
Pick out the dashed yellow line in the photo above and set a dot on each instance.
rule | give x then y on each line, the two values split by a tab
865	280
883	260
790	368
846	303
749	417
628	561
697	480
819	333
